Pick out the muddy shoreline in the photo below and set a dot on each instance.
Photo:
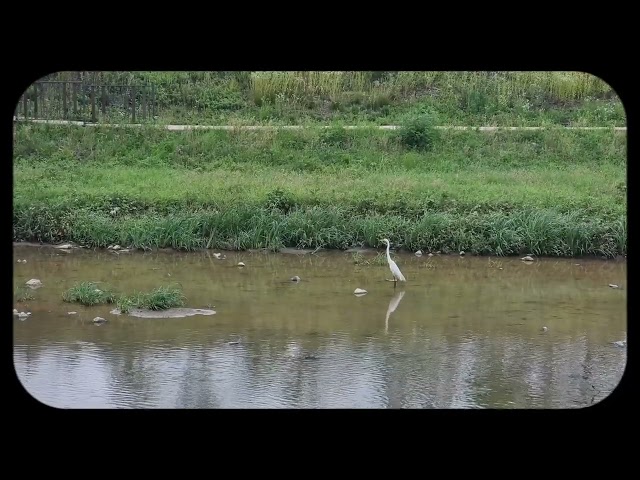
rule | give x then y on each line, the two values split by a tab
308	251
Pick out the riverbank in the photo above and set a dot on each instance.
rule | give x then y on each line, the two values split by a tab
550	193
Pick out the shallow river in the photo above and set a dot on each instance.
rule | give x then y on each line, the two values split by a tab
463	332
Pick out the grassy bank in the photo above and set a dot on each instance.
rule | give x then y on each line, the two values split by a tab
457	98
552	193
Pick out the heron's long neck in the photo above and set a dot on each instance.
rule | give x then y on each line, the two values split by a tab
388	256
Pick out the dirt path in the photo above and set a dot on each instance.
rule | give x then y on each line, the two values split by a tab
300	127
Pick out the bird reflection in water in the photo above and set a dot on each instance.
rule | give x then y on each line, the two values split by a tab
393	304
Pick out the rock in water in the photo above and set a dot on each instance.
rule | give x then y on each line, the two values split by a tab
34	283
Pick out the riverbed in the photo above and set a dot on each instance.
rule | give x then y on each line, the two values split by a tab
462	332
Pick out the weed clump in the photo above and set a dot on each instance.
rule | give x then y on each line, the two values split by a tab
161	298
88	293
23	295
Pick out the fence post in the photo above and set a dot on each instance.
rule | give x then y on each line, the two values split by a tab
133	104
144	103
35	101
64	100
125	100
93	104
153	101
74	99
103	100
43	103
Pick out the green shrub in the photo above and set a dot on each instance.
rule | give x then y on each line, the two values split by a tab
418	133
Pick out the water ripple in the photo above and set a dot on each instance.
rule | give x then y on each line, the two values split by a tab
335	374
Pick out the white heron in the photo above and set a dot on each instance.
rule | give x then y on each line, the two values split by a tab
395	271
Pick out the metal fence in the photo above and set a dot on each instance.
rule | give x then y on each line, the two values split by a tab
87	102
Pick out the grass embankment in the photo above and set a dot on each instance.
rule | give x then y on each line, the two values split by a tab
90	294
458	98
551	193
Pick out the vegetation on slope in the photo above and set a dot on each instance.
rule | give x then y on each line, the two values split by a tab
456	98
555	192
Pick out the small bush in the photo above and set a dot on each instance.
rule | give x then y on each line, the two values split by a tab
418	133
335	136
279	200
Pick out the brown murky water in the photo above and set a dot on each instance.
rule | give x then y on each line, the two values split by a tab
461	333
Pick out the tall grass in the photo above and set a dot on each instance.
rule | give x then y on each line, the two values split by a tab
564	85
561	86
558	86
541	232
